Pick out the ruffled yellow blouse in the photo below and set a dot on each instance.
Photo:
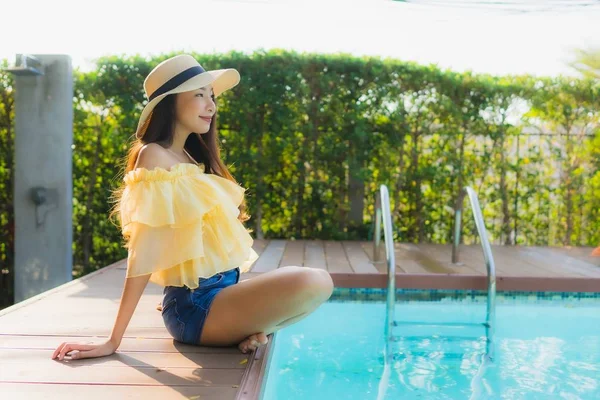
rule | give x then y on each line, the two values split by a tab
181	224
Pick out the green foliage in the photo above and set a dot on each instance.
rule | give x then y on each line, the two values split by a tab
313	136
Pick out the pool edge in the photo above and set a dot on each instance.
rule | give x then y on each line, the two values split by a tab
254	378
473	282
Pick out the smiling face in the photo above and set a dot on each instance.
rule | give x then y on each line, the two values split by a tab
194	110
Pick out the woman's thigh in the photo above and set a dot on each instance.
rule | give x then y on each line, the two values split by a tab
263	303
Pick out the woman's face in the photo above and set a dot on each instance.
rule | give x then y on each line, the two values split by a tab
194	110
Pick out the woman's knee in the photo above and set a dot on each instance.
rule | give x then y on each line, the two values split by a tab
311	284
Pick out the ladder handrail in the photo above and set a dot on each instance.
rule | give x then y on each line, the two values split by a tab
383	212
487	255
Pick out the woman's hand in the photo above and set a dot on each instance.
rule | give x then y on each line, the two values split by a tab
81	350
132	291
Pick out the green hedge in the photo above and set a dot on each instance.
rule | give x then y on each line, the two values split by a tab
313	136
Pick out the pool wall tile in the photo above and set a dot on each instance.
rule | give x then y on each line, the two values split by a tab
413	295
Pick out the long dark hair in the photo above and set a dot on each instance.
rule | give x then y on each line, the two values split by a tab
204	148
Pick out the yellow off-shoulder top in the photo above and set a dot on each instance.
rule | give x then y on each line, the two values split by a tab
181	224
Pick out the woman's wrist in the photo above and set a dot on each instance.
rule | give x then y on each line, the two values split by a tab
116	342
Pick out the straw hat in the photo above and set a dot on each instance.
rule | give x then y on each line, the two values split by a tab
181	74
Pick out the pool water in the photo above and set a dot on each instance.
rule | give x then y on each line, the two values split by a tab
546	347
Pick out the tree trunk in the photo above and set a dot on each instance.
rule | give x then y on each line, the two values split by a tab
418	210
342	195
86	228
504	193
308	139
299	216
569	190
356	188
399	181
260	183
581	223
461	155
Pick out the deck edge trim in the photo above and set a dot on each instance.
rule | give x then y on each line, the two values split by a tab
252	380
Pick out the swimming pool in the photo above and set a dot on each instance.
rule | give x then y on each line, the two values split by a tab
547	346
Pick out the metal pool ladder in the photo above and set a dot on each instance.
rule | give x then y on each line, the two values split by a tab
383	213
490	319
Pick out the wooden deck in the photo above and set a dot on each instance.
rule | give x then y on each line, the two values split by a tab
150	365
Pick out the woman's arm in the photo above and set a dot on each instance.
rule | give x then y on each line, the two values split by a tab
132	291
150	156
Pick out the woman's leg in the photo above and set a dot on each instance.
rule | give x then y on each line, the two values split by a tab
247	311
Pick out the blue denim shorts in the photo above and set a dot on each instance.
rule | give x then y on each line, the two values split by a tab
184	310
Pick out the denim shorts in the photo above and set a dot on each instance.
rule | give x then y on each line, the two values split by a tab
184	310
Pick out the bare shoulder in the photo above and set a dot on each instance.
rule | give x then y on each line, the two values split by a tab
153	155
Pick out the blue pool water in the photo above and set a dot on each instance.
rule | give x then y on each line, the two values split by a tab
546	348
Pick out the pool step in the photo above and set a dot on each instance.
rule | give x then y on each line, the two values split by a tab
436	347
474	357
440	324
450	340
425	328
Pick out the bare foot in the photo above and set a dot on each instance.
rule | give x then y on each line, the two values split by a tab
252	342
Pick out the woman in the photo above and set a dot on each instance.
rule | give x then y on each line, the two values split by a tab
182	214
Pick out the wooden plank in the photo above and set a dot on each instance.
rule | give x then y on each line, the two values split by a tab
60	323
293	253
472	256
505	259
103	308
380	266
553	264
404	263
414	261
508	260
336	259
367	247
565	262
437	258
107	285
580	253
314	254
406	266
36	358
128	345
60	289
271	256
359	261
93	315
27	391
259	245
51	371
520	265
409	260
